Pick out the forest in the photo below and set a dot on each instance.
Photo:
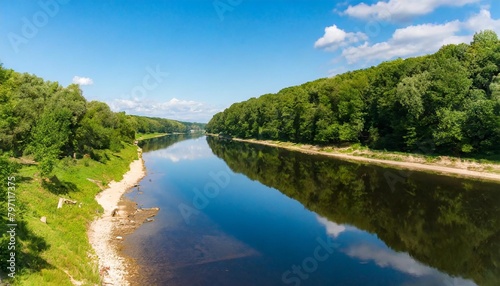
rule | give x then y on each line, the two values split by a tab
47	121
444	103
163	142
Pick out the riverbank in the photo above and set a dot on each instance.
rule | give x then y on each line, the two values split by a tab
140	137
103	231
52	243
441	165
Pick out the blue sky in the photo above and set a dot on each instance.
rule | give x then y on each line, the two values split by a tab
188	59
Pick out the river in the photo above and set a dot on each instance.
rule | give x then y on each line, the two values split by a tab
234	213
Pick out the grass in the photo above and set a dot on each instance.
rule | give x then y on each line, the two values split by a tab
144	136
53	251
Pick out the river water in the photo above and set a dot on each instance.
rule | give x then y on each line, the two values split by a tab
242	214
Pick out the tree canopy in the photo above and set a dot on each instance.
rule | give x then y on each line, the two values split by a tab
448	101
49	121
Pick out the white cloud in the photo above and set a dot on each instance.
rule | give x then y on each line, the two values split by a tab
422	39
400	9
184	110
335	38
409	41
82	80
332	228
180	152
403	262
387	258
483	21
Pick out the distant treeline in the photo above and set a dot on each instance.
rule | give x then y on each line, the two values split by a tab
163	142
161	125
448	102
49	121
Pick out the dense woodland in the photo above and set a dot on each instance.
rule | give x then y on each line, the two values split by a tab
448	224
48	121
447	103
161	125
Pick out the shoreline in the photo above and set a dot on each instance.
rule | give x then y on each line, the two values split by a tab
159	135
113	266
429	168
149	136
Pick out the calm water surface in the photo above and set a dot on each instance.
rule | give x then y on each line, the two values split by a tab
241	214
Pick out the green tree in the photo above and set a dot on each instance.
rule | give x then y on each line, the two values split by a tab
484	59
449	129
50	135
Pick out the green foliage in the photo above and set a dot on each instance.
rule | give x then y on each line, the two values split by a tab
161	142
49	121
449	129
410	92
160	125
484	58
449	100
49	136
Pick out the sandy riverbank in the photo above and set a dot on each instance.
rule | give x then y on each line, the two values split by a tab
458	170
102	231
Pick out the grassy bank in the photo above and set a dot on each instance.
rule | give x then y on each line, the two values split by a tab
469	167
58	252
